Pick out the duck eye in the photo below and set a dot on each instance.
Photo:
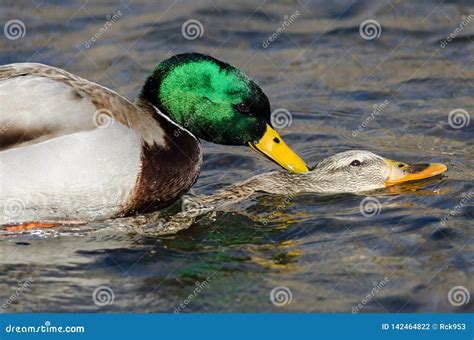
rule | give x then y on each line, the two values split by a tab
242	107
355	163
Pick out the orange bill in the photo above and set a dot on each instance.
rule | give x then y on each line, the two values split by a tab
402	172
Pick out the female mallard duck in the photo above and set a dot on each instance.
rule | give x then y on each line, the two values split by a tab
346	172
71	149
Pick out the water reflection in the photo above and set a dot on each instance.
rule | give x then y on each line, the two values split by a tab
320	247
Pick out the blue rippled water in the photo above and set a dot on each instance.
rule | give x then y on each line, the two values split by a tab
328	256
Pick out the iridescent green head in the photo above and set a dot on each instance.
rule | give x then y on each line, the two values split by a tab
215	101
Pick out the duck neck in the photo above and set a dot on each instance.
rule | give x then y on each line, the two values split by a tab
275	182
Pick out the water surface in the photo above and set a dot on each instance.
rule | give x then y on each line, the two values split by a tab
321	248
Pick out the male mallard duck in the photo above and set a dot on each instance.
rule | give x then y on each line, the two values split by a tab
71	149
346	172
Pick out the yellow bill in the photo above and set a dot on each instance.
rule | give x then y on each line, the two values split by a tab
402	172
272	146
